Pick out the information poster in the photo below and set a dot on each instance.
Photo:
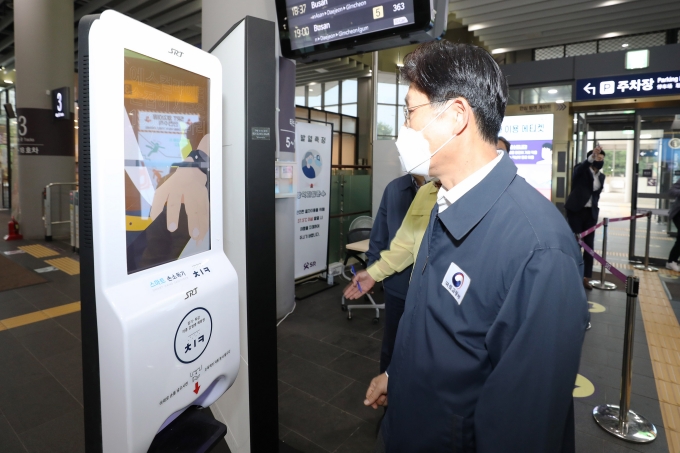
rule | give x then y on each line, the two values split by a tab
167	162
313	156
531	148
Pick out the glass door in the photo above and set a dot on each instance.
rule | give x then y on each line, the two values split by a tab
656	168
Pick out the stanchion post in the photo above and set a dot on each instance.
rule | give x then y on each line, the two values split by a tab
602	283
620	420
645	266
48	213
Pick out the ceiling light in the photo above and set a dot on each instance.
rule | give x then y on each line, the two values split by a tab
612	2
8	81
628	132
560	101
611	35
645	135
312	83
637	59
499	50
476	27
552	91
400	65
310	90
625	44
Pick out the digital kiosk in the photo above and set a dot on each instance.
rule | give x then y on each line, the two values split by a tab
160	313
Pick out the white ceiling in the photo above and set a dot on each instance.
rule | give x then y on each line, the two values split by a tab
509	25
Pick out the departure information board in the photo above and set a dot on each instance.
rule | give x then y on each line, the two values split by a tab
311	23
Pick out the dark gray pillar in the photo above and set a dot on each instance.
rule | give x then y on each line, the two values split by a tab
43	34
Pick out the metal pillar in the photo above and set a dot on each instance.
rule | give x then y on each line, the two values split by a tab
602	283
620	420
645	266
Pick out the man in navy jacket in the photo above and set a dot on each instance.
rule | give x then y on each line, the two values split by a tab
396	200
582	203
489	344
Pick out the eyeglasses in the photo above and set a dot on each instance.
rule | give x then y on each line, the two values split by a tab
409	110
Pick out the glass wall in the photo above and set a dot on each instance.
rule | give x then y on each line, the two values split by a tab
540	95
337	97
391	94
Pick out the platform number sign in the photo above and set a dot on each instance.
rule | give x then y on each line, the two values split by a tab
60	103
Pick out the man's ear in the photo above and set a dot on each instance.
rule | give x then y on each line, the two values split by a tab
463	112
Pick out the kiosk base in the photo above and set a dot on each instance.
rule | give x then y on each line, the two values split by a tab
194	431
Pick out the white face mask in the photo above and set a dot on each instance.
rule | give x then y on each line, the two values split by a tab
414	149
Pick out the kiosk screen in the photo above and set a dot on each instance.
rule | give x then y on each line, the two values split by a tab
167	162
318	22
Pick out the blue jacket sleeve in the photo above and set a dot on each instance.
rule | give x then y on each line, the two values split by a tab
535	348
380	233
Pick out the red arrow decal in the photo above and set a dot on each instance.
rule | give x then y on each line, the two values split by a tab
197	388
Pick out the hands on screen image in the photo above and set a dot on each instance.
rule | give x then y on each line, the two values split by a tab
187	185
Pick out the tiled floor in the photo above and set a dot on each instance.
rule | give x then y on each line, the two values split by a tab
325	364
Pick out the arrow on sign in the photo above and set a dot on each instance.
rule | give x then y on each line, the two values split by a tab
197	388
587	88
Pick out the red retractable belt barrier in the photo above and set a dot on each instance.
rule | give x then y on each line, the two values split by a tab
614	271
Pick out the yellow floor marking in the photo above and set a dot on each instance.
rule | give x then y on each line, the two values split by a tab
39	251
68	265
596	308
663	340
36	316
583	387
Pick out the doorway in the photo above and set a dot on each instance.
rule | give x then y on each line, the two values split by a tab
642	162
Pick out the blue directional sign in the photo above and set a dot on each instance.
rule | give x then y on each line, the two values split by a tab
628	86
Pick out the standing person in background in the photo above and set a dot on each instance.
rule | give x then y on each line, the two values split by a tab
503	144
674	214
582	203
395	202
393	266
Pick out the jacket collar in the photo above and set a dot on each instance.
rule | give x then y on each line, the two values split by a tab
462	216
405	182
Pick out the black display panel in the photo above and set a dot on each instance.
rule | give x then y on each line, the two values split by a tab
308	27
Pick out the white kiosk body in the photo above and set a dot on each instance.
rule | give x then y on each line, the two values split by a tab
166	295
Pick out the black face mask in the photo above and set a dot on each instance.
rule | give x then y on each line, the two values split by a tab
598	164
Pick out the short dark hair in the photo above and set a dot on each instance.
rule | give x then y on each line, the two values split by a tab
505	142
590	152
445	70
